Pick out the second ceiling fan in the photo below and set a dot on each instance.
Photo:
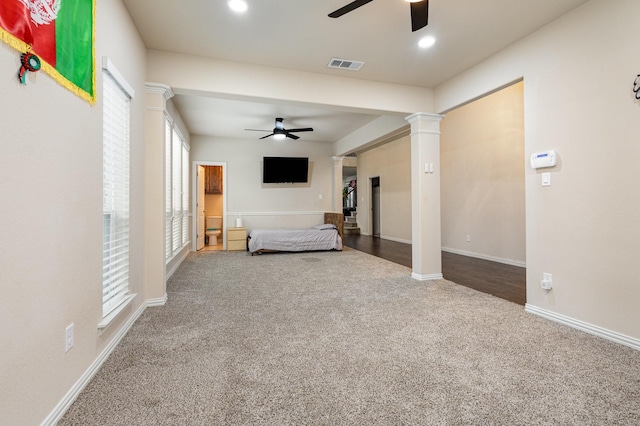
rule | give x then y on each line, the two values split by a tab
419	11
279	132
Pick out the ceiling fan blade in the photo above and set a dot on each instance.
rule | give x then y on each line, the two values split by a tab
305	129
348	8
257	130
419	14
264	137
294	137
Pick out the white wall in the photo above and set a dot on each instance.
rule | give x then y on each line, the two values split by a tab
578	76
51	227
270	205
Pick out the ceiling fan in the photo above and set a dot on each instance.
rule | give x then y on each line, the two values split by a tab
419	11
279	132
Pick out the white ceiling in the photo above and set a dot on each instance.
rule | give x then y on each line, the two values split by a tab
297	34
229	118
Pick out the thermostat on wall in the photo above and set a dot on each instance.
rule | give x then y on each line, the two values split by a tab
543	159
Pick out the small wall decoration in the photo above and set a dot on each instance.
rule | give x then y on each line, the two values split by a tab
57	36
636	87
30	62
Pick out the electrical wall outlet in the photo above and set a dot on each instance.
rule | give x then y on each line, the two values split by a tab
68	338
547	281
468	238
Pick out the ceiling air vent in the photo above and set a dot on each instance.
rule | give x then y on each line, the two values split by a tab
345	64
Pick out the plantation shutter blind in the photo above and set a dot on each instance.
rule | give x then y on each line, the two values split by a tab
116	161
177	192
168	193
185	193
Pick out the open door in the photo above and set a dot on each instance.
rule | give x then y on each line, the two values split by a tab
201	212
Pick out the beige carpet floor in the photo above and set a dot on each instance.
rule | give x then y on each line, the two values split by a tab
332	338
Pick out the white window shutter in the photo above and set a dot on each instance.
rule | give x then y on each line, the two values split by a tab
116	161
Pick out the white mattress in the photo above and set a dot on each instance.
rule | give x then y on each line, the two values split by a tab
294	239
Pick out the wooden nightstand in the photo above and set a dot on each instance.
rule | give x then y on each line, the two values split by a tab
236	239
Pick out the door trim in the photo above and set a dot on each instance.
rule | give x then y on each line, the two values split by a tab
194	201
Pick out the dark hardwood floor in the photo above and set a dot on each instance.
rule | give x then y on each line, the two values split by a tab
504	281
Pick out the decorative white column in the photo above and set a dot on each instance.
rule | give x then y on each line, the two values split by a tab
425	196
336	204
156	99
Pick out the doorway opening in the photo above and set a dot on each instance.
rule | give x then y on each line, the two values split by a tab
483	214
210	206
375	206
350	195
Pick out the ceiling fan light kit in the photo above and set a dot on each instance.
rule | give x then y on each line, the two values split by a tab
419	11
280	133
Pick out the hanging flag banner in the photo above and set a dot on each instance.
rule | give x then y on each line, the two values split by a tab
57	36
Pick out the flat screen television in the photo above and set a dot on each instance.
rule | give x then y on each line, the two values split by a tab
285	169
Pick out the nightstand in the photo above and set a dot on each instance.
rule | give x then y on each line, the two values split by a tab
236	239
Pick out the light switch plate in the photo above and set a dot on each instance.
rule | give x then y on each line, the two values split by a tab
546	179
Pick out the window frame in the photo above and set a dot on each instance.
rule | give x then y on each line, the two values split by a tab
116	208
177	196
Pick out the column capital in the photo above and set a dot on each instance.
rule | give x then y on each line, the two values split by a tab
160	89
337	160
155	103
425	123
423	116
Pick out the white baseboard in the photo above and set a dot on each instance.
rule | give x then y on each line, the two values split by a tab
157	302
384	237
58	412
177	264
511	262
586	327
427	277
398	240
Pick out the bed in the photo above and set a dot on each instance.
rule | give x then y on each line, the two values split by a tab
326	236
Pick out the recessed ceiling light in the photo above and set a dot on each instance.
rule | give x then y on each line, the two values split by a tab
427	42
238	5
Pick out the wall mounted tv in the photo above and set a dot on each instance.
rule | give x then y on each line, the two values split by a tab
285	169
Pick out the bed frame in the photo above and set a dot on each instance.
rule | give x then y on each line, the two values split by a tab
336	219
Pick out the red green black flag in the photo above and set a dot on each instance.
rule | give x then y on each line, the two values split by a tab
61	34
